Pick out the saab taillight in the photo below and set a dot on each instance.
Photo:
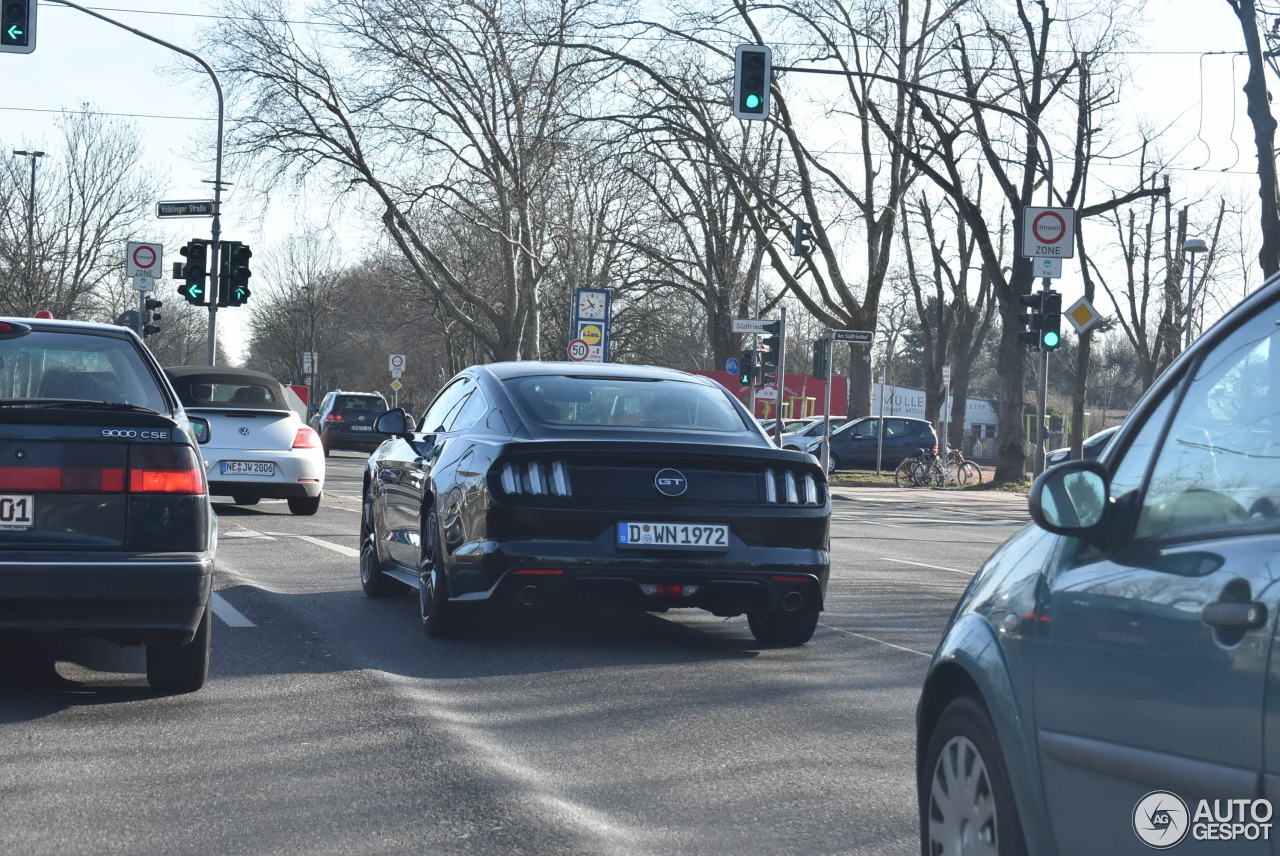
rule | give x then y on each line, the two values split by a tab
165	469
306	438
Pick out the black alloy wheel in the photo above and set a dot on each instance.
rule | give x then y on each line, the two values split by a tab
966	802
441	618
374	582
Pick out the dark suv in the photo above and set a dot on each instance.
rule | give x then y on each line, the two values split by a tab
345	421
855	444
105	525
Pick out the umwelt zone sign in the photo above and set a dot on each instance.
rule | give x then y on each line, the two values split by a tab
1049	233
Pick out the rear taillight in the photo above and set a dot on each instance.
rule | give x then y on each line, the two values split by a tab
152	469
536	478
306	438
334	417
165	469
935	448
792	488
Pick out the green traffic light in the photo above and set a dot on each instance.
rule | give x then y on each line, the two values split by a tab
1052	339
753	101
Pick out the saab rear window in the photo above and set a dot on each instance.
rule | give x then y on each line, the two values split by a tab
78	367
603	402
227	391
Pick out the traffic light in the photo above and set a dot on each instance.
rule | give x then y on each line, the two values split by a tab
17	26
1031	321
747	367
822	358
152	305
234	273
801	238
1051	321
752	73
194	272
773	345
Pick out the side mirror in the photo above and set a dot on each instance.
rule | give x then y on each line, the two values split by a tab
394	422
1071	498
200	428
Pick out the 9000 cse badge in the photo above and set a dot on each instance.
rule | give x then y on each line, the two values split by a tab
135	434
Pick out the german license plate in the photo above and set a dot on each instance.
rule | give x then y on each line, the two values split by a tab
248	468
17	511
697	536
361	427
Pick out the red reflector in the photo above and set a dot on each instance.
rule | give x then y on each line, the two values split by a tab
786	579
44	313
668	590
535	572
30	478
306	439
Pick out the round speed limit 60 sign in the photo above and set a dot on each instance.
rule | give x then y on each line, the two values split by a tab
578	350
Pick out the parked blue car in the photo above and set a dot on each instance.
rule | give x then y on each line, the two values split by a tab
1109	667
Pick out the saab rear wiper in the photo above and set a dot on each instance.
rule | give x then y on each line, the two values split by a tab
75	403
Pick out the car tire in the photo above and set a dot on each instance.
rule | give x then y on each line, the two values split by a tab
182	668
304	505
783	629
326	450
245	500
441	618
965	799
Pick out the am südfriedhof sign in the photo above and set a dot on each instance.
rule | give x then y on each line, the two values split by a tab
863	336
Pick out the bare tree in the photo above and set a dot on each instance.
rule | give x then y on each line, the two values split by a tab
92	195
1264	132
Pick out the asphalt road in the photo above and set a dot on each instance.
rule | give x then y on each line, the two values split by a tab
332	725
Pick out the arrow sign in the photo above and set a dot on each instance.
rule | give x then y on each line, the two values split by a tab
752	325
864	336
14	32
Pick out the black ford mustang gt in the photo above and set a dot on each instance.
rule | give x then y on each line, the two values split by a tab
636	486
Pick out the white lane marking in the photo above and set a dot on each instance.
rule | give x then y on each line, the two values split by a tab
923	565
230	616
245	533
874	639
329	545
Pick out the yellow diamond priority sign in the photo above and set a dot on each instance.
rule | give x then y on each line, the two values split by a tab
1082	315
395	384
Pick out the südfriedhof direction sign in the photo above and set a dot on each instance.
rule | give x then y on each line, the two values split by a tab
185	208
752	325
863	336
1048	233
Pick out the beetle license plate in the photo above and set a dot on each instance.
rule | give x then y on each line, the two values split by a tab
684	536
17	511
249	468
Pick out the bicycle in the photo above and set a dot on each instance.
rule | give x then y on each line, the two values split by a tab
927	469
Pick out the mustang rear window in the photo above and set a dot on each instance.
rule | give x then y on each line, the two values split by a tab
620	402
77	366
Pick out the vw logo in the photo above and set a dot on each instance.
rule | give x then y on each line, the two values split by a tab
670	482
244	432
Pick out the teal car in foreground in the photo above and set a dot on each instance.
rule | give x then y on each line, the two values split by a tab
1105	684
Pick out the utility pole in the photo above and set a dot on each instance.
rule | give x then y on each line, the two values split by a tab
31	222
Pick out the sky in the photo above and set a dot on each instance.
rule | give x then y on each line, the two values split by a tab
1181	79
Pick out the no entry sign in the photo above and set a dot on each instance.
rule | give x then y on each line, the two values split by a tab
1048	233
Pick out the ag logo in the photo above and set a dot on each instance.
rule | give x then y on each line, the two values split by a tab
244	432
670	482
1160	820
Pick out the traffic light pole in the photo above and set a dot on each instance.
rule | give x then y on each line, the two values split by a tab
826	399
781	382
217	178
1042	389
